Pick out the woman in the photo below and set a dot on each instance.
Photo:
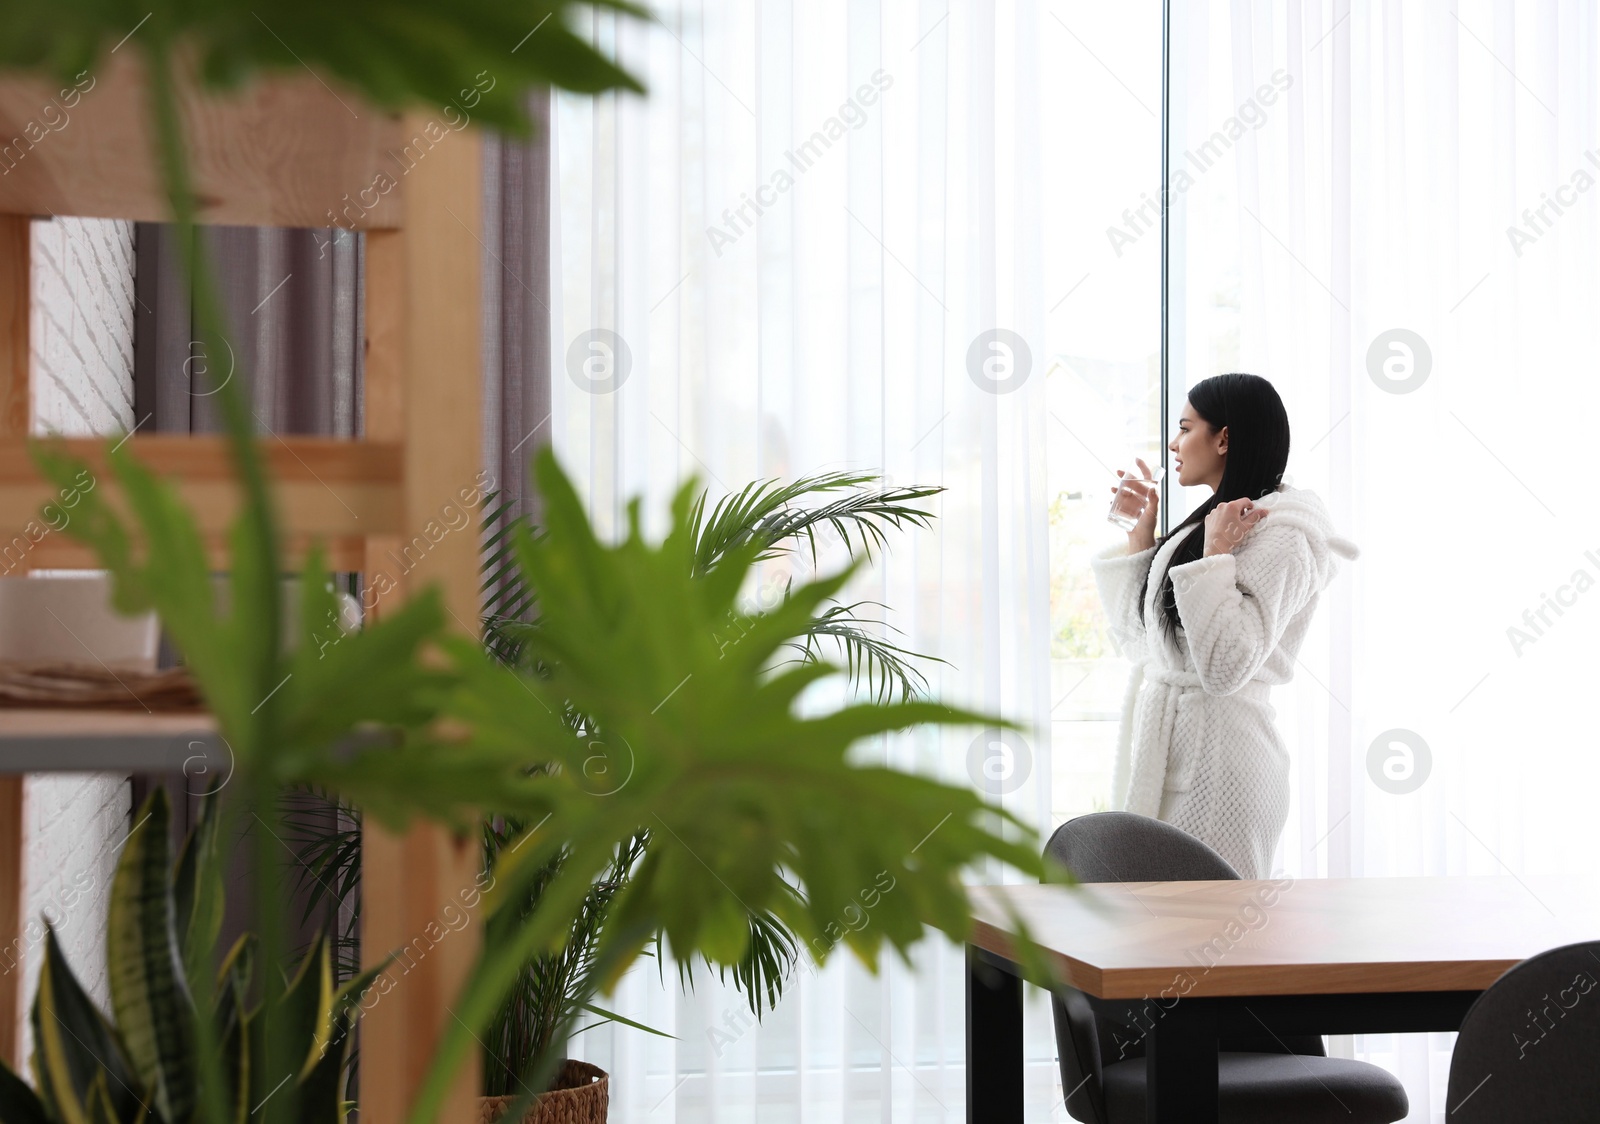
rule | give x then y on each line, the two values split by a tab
1212	615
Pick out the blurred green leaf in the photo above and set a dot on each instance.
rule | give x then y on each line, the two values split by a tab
197	892
472	60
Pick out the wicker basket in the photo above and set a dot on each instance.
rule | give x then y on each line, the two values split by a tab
580	1095
35	684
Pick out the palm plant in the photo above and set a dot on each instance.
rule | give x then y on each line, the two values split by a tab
749	810
780	522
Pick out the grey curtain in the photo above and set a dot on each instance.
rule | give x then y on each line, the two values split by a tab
294	301
516	307
294	305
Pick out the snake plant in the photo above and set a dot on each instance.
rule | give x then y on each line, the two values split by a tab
138	1065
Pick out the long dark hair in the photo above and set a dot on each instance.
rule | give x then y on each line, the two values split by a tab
1258	451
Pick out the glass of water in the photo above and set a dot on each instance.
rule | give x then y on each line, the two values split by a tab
1128	504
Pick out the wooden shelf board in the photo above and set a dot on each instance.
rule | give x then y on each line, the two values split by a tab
58	552
206	457
119	741
328	488
286	151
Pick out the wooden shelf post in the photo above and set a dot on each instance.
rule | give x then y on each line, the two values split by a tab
15	285
422	375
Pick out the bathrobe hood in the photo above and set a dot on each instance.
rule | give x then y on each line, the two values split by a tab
1304	510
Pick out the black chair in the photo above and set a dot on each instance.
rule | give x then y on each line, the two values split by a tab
1260	1077
1528	1046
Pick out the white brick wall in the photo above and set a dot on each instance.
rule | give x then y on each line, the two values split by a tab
82	328
75	825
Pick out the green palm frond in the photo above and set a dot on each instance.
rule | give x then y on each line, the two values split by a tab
396	53
883	666
775	518
506	600
770	958
327	872
772	515
503	593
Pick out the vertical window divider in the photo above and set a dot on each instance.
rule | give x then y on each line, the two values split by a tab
1166	234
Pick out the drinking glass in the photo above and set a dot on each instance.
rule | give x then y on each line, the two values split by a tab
1127	505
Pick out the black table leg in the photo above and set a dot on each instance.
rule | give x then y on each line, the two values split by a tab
994	1040
1181	1065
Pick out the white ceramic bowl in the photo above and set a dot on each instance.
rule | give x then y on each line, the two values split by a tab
67	617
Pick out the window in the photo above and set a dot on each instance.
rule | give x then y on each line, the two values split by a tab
1103	257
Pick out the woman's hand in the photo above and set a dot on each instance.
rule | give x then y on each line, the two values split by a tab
1228	524
1143	535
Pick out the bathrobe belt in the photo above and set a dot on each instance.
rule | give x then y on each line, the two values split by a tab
1157	715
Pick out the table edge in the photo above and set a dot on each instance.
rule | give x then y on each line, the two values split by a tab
1224	980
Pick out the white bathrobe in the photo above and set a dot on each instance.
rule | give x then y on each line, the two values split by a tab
1197	745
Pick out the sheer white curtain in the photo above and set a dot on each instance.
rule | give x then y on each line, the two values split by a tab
1405	243
784	261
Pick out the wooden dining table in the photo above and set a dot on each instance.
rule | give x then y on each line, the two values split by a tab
1197	960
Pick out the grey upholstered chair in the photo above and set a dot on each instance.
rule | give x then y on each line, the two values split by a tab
1527	1047
1102	1060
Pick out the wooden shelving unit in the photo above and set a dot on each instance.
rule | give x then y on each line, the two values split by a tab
286	152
